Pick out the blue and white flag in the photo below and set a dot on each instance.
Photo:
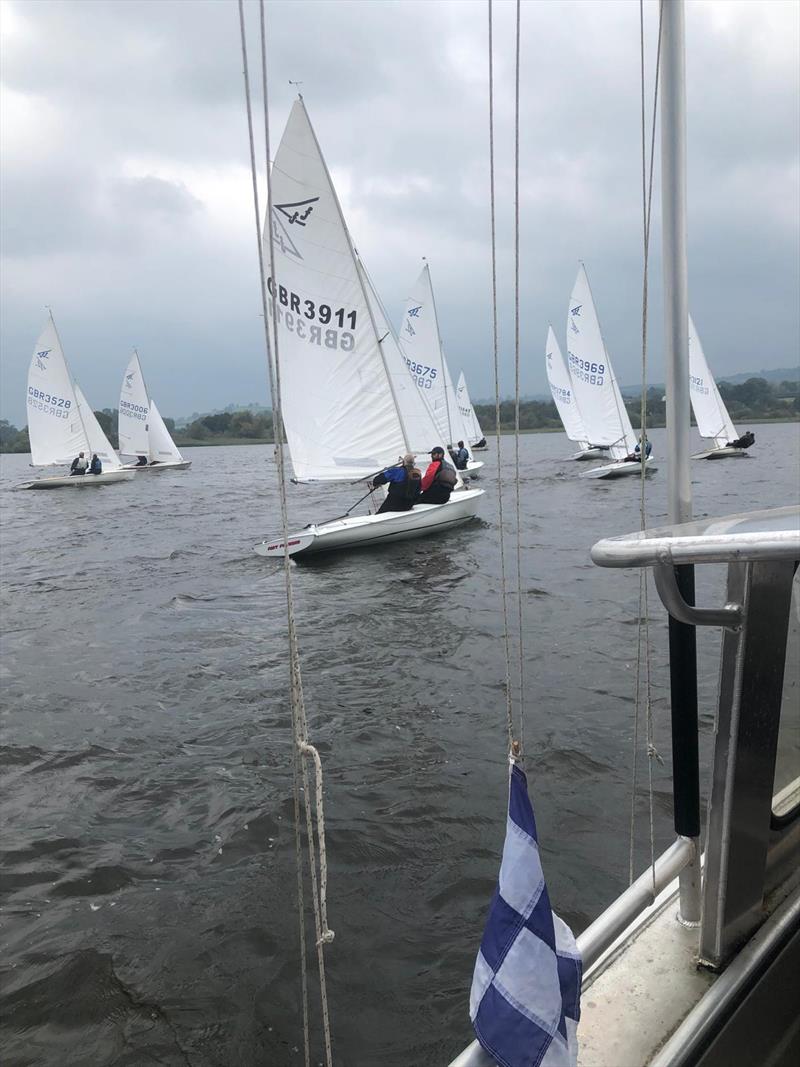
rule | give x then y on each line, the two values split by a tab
526	989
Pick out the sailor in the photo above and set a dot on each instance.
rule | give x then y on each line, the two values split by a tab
481	443
461	457
745	441
96	466
79	464
403	481
141	461
439	479
636	455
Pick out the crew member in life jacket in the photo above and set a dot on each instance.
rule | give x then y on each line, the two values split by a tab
439	479
745	441
636	455
461	457
96	466
403	481
79	464
141	461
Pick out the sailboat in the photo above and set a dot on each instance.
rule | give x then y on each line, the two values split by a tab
713	420
61	423
344	391
476	438
605	417
564	399
142	431
421	344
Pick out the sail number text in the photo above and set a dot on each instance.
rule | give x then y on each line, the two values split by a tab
422	375
310	310
593	373
133	411
49	404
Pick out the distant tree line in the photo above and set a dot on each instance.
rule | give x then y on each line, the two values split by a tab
248	425
756	398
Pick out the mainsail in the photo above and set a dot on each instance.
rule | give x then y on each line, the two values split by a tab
709	408
142	431
421	344
134	411
561	389
339	411
595	387
467	412
60	421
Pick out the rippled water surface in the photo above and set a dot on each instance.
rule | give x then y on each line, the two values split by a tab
148	908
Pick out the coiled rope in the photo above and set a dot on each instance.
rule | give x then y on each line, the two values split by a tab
302	748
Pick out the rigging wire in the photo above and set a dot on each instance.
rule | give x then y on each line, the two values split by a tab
504	597
643	627
516	386
301	746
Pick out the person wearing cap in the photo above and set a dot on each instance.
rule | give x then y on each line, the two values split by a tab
79	464
403	481
439	479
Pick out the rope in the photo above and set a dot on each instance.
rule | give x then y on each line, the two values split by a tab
516	387
643	628
506	632
299	721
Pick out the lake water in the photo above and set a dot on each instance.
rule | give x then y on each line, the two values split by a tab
148	905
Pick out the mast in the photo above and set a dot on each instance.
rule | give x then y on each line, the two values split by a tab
445	368
682	638
72	380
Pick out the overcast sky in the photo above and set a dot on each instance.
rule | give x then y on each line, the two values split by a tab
126	202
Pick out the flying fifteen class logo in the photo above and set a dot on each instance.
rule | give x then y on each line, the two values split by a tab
129	380
409	329
294	213
41	358
413	313
575	313
284	215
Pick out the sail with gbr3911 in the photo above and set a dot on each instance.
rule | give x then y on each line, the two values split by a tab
338	409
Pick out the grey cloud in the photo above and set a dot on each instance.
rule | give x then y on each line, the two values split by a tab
143	112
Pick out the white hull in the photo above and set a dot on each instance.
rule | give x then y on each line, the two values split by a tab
479	448
177	465
366	530
721	453
78	481
473	467
621	469
591	453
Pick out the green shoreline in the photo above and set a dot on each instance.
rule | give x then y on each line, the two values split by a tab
218	442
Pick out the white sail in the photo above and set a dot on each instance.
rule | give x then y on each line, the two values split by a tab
421	344
338	409
55	427
134	411
161	447
420	429
467	411
709	408
562	392
96	440
593	382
